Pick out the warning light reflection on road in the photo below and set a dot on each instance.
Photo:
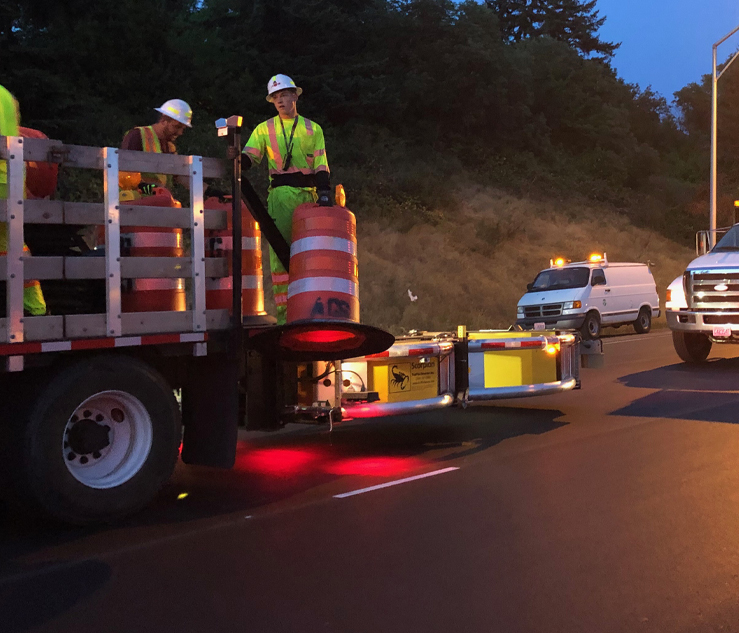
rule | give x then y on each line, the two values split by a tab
374	466
279	462
297	462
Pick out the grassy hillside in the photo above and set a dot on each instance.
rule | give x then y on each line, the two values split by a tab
472	268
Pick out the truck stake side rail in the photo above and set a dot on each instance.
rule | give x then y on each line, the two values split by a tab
17	267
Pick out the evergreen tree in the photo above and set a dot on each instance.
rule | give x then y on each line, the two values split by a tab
575	22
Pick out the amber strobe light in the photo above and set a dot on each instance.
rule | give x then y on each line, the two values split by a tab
340	196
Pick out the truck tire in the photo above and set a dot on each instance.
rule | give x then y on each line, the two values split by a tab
692	347
100	440
590	329
643	322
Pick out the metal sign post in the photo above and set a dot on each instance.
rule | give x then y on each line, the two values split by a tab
231	128
714	134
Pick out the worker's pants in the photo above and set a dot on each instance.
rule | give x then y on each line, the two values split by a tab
33	299
281	204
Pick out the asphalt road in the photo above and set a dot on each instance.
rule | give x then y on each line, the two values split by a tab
612	508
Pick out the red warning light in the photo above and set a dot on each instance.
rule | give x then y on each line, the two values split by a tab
308	340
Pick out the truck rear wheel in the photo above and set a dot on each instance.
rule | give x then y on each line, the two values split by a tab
692	347
643	322
100	440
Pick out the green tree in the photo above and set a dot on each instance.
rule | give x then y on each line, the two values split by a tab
575	22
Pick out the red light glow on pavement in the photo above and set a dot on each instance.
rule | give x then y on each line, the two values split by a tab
373	466
279	462
299	462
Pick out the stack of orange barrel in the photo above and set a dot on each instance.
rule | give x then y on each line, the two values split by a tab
219	243
323	265
153	295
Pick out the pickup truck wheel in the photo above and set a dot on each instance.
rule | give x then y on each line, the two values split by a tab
100	440
590	329
692	347
643	322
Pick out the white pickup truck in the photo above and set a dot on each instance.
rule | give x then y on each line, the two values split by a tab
702	306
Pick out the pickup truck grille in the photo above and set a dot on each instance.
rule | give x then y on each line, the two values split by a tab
702	293
548	310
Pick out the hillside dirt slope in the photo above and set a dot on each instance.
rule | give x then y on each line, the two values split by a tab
471	268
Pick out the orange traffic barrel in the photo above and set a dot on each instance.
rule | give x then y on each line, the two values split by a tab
219	243
323	265
153	295
41	178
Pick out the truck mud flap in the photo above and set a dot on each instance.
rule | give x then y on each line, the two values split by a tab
210	412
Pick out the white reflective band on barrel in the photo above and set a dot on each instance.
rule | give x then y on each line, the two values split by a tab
226	243
248	282
158	284
323	243
153	240
323	284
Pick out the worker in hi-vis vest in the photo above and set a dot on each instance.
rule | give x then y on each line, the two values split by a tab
33	298
298	169
174	116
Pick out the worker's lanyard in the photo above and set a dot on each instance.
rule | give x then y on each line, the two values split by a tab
288	144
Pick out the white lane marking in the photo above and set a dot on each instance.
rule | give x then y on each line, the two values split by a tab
395	483
636	339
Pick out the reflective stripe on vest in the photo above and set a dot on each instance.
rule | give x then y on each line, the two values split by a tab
323	243
150	143
273	145
323	284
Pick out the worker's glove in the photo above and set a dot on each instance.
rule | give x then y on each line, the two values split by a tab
232	153
146	188
324	198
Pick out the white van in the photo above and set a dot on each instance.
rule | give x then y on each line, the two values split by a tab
587	295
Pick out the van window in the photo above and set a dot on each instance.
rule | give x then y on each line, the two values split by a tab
599	278
560	279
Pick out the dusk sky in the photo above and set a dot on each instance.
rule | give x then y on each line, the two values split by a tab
667	43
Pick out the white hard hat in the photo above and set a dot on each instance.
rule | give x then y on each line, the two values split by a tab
178	110
280	82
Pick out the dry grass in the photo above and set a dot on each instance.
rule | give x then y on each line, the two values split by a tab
472	270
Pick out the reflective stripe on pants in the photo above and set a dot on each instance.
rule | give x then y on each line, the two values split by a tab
33	298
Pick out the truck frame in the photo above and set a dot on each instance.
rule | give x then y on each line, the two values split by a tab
98	407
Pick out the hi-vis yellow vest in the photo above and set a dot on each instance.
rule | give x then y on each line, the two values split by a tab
8	127
150	143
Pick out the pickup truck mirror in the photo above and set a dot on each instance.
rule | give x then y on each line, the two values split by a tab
530	286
